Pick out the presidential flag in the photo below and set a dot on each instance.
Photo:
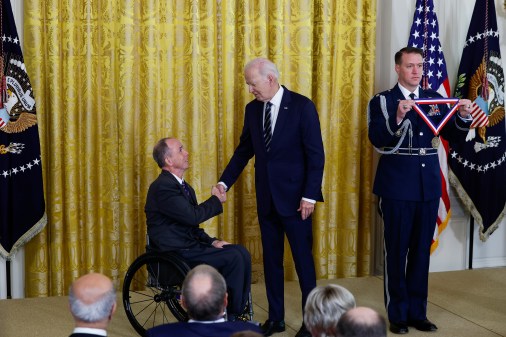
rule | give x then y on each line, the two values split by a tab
478	166
22	213
425	35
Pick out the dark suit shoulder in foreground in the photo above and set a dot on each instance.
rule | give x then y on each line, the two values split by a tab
195	329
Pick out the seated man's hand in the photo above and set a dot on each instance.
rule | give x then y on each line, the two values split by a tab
219	243
218	192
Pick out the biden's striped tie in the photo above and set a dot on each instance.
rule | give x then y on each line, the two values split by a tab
267	126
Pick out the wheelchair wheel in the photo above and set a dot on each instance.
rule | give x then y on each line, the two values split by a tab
152	291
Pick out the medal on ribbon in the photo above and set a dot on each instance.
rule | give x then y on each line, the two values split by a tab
435	142
434	117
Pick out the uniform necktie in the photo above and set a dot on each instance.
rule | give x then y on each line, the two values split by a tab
186	190
267	125
412	95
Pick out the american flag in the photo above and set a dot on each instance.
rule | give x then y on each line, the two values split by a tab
425	35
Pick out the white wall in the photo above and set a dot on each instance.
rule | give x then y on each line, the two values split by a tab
394	19
17	10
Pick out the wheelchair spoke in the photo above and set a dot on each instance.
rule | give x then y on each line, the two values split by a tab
152	284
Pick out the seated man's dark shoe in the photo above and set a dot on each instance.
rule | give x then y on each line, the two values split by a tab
399	328
270	327
303	332
423	325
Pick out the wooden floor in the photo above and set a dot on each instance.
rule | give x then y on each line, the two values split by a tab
468	303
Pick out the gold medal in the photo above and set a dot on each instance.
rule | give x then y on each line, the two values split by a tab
435	142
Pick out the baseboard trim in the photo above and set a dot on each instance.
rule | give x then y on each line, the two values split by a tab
492	262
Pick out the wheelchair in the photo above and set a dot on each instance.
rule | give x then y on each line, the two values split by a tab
152	290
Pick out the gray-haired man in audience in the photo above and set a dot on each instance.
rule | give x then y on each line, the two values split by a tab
324	306
92	302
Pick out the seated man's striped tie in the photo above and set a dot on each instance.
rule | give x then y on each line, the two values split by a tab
267	126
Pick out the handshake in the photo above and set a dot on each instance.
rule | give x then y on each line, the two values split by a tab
219	191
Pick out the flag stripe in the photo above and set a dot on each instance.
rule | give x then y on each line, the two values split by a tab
480	118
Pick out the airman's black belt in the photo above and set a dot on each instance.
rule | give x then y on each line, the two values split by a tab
414	151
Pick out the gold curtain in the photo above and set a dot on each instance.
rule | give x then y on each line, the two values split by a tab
112	77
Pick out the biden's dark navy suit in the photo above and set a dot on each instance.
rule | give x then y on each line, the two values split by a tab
174	219
408	183
290	170
196	329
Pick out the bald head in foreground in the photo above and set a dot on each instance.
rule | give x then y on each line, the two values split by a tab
92	302
363	322
204	296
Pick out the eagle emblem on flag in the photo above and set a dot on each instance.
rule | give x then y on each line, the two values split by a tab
494	91
18	113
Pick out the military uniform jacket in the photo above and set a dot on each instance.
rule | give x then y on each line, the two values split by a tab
404	176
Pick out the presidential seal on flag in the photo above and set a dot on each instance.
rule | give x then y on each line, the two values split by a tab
17	98
487	93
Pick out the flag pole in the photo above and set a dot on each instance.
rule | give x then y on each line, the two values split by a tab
471	242
484	94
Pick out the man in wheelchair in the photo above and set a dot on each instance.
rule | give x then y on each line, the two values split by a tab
173	217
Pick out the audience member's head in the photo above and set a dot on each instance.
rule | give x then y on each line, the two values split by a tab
204	293
92	301
247	333
324	306
361	322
